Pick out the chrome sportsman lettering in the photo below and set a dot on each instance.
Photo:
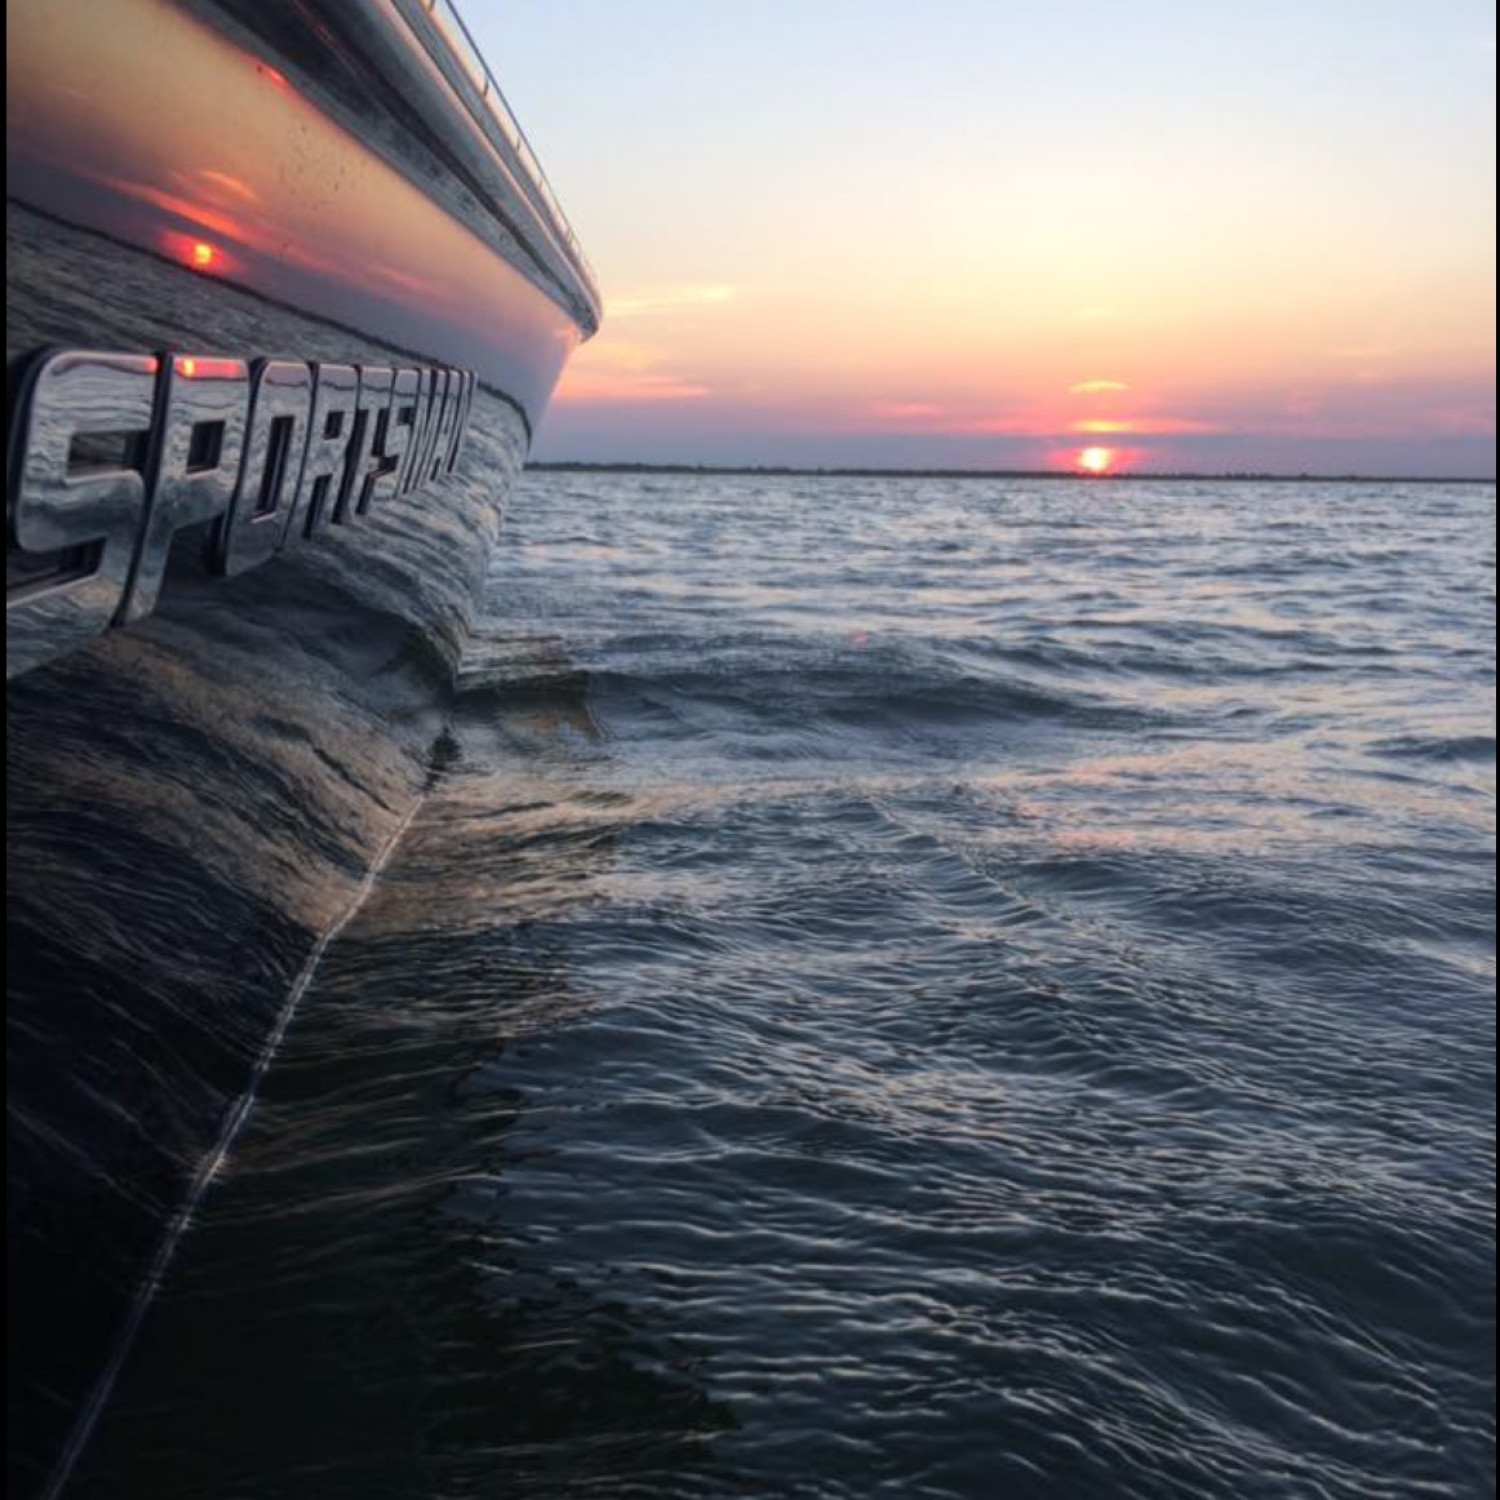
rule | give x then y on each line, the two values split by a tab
113	454
421	426
392	439
280	406
329	450
421	466
370	405
195	462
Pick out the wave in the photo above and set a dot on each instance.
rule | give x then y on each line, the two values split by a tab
1473	749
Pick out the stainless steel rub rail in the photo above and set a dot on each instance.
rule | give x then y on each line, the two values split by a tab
443	34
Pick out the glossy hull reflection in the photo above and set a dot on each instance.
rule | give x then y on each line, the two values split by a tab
138	119
228	707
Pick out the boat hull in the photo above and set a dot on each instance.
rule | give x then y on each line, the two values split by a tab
196	799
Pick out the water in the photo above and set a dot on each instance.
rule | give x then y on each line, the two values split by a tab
903	988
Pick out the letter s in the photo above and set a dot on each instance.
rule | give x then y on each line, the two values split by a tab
87	507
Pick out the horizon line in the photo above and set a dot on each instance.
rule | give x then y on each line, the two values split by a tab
841	471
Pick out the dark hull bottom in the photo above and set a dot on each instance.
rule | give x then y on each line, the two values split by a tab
192	805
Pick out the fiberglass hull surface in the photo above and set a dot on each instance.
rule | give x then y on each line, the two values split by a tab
195	801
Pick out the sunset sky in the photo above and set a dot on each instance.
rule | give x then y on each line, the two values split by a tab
1214	236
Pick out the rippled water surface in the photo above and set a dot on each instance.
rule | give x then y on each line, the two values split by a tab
901	988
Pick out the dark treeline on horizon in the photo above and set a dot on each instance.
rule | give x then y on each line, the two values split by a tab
782	471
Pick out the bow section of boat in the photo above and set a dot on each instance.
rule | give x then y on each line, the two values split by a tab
286	296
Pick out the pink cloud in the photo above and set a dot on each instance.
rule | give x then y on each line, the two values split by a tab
905	411
615	387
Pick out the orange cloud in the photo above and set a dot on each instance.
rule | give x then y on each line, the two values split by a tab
1146	426
602	388
1093	387
669	300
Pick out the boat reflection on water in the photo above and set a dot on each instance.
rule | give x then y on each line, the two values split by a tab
356	1313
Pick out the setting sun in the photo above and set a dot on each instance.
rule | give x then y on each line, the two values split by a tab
1096	460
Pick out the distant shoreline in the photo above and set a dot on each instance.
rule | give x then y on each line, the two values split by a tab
772	471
